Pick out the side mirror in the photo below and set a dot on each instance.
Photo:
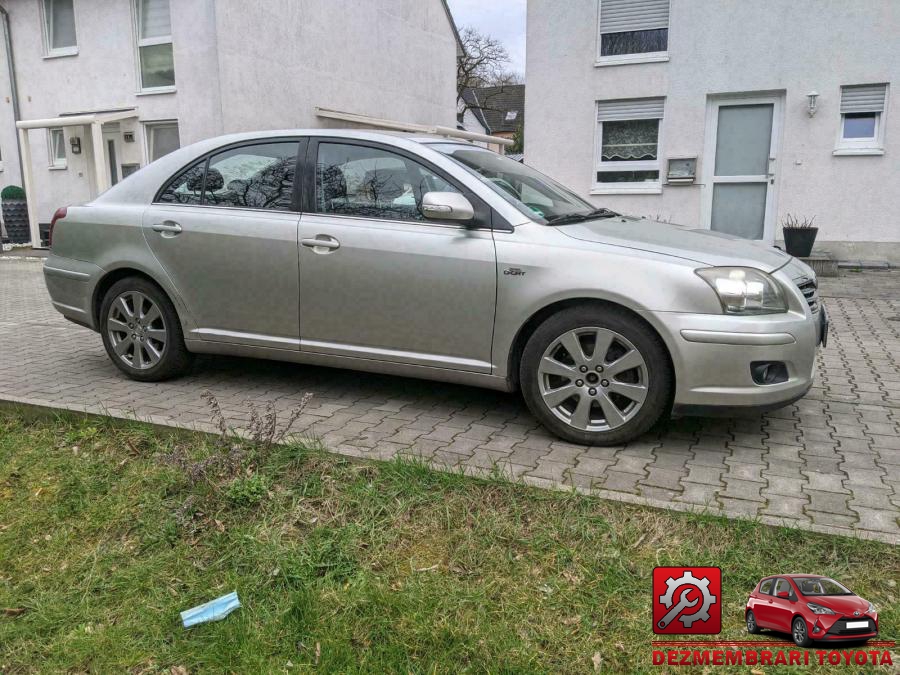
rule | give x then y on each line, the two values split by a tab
784	594
447	206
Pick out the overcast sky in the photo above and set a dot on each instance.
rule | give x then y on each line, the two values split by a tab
502	19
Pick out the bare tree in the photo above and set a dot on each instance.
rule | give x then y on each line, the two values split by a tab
482	63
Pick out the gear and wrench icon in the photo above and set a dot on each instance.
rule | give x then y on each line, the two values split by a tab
688	579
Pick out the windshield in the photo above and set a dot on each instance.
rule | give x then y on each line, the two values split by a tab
531	192
821	587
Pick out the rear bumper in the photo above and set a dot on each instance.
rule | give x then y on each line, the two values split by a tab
71	285
712	356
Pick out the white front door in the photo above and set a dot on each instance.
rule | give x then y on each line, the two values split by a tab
741	165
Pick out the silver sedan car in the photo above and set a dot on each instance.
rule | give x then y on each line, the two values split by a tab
429	257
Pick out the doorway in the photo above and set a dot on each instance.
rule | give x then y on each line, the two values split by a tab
112	151
742	140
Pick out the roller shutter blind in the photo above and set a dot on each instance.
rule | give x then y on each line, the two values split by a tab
620	16
864	98
630	109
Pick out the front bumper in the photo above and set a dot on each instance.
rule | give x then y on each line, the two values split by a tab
712	356
833	628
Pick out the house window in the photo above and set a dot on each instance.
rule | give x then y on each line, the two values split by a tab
162	138
628	145
57	148
154	41
633	30
59	27
863	108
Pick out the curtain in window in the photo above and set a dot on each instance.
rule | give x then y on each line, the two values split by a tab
154	19
630	140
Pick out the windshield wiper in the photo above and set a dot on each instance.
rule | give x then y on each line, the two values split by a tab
581	217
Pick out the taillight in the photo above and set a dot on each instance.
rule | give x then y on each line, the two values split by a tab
59	215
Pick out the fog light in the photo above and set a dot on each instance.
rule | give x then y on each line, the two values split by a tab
769	372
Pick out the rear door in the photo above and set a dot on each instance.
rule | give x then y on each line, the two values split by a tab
225	230
378	280
763	607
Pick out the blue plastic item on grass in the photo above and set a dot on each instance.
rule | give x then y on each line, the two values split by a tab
214	610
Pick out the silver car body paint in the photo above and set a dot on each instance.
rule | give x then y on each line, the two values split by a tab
434	300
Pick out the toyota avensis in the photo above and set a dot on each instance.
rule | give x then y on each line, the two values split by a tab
810	608
429	257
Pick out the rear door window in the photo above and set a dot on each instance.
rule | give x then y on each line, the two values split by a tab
184	188
259	176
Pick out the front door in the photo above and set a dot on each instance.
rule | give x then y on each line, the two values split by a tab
225	230
377	280
112	151
740	169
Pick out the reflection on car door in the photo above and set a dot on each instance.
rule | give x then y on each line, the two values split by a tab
783	608
380	282
225	230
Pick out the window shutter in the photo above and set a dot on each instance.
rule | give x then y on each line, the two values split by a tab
864	98
630	109
154	18
619	16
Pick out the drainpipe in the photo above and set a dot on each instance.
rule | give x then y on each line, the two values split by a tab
13	88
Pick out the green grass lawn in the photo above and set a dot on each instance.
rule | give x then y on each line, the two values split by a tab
108	530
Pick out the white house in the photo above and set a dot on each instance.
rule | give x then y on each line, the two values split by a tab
126	81
725	115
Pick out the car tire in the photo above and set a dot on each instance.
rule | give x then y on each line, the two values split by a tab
800	632
608	402
752	626
141	331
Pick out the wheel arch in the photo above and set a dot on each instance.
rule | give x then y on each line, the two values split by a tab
111	277
537	318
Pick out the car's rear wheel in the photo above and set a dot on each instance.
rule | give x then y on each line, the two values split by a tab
800	633
596	375
752	626
141	331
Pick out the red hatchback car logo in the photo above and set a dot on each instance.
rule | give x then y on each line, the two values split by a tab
810	608
687	600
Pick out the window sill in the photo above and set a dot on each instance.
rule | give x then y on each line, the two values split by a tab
57	167
627	189
154	92
628	59
61	53
850	152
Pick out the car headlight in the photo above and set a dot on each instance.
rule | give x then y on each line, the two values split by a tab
818	609
745	290
872	609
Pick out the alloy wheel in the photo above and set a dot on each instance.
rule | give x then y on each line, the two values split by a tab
799	631
751	622
593	379
137	330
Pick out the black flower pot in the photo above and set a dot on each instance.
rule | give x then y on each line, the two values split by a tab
15	217
799	240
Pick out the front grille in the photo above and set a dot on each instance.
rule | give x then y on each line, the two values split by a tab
840	627
810	290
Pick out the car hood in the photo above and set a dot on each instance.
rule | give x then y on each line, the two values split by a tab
841	604
702	246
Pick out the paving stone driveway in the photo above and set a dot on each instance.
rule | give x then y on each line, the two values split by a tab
831	462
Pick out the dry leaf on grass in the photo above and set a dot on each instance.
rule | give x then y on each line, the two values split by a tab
597	660
13	611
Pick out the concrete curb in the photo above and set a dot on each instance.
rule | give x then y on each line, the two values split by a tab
202	427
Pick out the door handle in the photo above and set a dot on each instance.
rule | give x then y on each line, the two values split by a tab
167	226
322	243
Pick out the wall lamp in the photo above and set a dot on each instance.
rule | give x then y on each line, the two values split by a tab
812	98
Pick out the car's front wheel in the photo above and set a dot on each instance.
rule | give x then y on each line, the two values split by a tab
800	633
141	331
596	375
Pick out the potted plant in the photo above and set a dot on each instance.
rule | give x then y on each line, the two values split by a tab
15	214
799	235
